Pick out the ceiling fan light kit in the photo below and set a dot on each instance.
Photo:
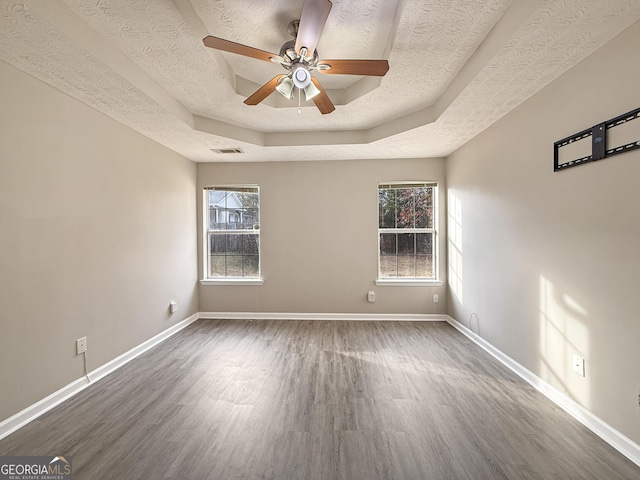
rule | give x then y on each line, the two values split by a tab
285	88
299	63
310	91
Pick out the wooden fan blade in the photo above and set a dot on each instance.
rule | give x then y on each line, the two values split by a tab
312	19
240	49
376	68
322	100
264	91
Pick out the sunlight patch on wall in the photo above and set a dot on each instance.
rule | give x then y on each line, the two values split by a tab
563	334
455	246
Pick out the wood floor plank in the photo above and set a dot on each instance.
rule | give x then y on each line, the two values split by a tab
241	399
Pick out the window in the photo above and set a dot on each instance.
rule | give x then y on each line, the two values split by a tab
407	231
233	232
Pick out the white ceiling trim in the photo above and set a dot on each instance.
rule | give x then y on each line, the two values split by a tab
71	45
80	32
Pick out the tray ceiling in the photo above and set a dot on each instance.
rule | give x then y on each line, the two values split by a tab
455	68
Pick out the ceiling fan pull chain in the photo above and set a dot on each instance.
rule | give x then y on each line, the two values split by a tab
299	96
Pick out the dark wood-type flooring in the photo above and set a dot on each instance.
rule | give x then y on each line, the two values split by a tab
287	400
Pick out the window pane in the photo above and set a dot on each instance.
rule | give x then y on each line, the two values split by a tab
250	245
248	199
217	266
213	225
234	244
430	217
406	208
388	266
424	218
406	243
424	266
250	218
423	196
388	243
406	266
387	208
424	243
424	207
234	265
217	243
251	265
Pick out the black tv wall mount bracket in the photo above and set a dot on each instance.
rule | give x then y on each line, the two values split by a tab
598	134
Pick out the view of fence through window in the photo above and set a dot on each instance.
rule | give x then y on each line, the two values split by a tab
233	232
406	228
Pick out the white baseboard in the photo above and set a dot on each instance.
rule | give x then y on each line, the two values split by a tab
617	440
386	317
20	419
126	357
613	437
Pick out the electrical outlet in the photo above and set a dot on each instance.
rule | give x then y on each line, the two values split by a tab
81	345
371	297
436	298
639	398
578	365
173	306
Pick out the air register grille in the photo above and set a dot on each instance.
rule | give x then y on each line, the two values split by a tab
227	150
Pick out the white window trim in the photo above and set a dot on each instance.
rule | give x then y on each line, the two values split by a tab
231	281
408	282
205	243
413	281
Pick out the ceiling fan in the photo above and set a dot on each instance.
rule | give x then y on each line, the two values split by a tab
299	58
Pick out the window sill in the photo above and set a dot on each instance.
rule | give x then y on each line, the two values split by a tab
408	282
232	281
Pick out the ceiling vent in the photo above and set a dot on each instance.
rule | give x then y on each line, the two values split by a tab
227	150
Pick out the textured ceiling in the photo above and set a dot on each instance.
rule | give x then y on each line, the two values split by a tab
456	67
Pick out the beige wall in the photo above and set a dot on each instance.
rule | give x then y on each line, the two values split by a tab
319	237
551	261
97	235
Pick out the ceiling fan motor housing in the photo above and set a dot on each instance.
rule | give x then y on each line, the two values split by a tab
288	52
